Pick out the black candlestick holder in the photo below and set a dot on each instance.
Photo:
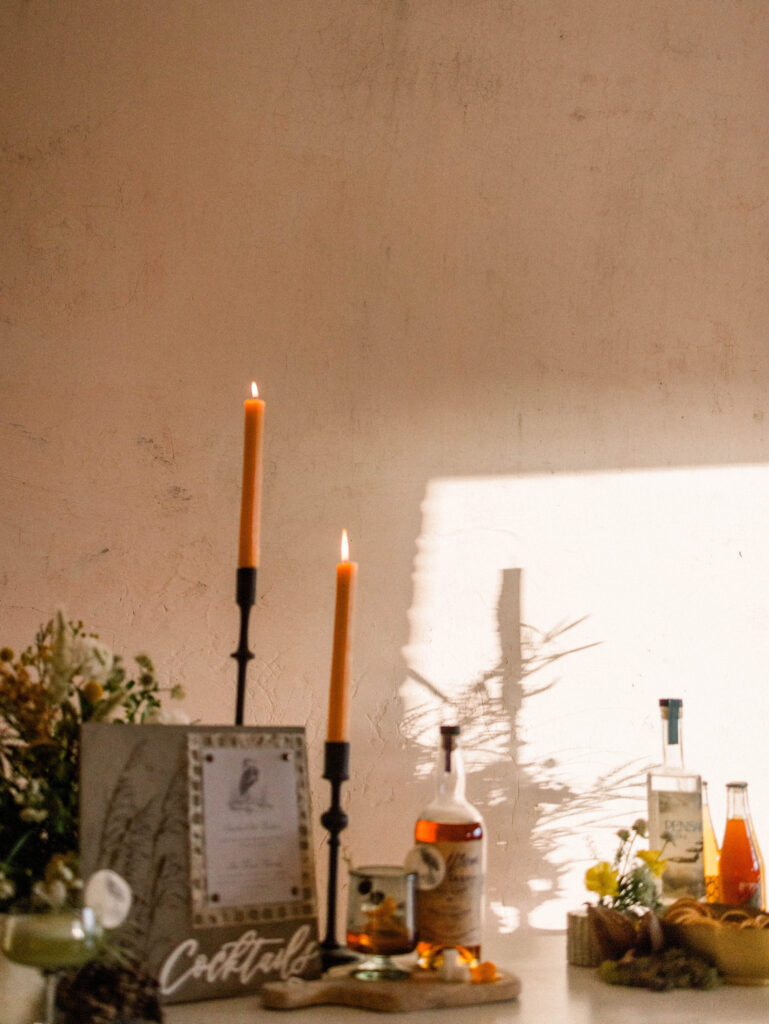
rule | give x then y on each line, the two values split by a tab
245	596
334	820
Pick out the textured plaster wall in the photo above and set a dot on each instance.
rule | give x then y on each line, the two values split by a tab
451	239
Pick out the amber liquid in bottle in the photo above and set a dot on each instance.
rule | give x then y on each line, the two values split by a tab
431	953
450	843
710	851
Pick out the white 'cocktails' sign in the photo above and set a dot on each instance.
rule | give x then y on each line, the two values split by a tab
211	827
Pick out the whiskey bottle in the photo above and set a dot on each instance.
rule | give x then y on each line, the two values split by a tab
675	812
450	859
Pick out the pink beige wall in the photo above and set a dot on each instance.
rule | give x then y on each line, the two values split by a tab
449	238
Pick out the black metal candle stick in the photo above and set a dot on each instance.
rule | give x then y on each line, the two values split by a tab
334	820
245	596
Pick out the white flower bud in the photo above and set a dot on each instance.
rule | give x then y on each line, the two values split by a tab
161	716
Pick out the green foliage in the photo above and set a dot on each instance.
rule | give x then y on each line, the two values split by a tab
624	884
668	969
64	678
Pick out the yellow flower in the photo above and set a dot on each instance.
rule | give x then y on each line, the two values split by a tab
602	878
93	691
651	859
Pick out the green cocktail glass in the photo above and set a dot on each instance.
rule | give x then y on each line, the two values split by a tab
51	940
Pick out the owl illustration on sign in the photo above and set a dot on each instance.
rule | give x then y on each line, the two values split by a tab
247	793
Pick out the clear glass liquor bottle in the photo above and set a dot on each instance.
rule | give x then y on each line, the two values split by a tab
450	856
674	797
741	865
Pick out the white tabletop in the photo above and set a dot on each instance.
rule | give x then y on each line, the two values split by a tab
552	993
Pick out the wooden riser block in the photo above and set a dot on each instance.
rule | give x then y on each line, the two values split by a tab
420	992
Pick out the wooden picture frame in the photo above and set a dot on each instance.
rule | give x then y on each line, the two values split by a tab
211	826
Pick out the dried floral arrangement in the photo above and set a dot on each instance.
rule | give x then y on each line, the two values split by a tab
64	678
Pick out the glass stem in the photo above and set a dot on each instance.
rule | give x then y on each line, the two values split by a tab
50	997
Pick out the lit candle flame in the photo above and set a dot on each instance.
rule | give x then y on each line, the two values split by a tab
345	547
254	389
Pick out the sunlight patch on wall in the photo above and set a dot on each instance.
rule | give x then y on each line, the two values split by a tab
549	615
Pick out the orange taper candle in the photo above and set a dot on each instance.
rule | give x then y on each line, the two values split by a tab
339	691
251	498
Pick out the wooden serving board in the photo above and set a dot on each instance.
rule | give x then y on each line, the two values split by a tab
416	993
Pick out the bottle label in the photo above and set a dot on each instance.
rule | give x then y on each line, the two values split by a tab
450	912
749	894
679	816
740	866
426	860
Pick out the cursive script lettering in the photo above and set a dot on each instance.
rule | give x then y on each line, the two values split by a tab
243	958
460	865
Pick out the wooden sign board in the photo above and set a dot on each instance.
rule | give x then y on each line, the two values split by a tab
211	827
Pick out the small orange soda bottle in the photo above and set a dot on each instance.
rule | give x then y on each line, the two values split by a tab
741	862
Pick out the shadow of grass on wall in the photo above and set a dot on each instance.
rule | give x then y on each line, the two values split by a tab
530	814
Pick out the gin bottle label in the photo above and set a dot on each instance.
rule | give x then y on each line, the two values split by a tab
679	816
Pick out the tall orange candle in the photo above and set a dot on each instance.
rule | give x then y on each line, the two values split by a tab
251	496
339	691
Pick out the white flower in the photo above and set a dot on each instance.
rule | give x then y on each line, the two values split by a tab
30	792
161	716
72	656
66	874
91	659
30	799
61	672
36	814
109	896
54	894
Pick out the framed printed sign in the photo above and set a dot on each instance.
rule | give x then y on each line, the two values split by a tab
211	827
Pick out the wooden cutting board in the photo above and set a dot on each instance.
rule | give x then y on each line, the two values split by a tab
416	993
